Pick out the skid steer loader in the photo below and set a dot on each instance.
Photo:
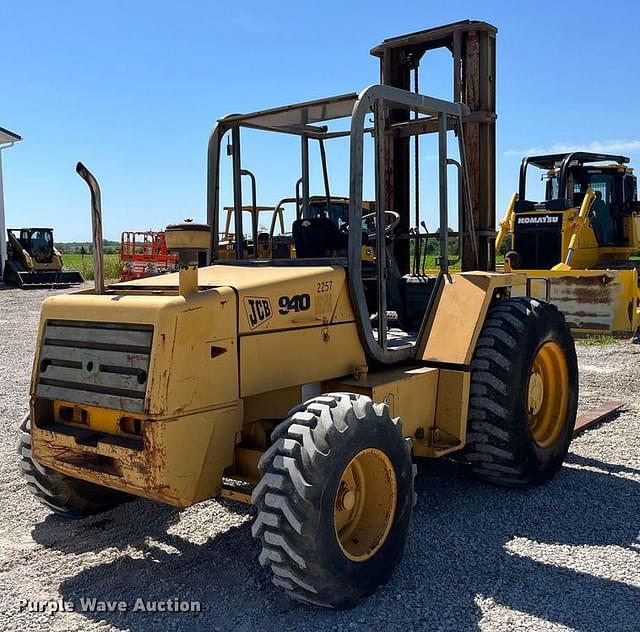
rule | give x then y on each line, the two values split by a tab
34	261
284	382
580	246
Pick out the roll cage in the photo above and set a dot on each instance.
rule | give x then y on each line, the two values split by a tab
305	120
564	162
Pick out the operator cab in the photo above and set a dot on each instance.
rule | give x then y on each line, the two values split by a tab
323	230
37	242
320	231
347	234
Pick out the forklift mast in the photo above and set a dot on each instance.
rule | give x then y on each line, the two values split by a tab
473	47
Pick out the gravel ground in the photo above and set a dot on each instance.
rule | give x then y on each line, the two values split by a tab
562	556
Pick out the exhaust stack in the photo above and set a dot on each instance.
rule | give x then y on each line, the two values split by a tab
96	225
187	240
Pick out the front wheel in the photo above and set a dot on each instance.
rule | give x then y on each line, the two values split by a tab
524	394
335	500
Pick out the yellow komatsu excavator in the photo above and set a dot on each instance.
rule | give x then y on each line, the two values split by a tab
286	383
580	246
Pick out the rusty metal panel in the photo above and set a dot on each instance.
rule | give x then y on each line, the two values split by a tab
181	463
116	379
592	301
479	93
604	412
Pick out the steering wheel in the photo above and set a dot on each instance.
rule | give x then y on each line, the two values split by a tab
368	223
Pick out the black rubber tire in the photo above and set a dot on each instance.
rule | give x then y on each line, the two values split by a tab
295	499
62	494
500	446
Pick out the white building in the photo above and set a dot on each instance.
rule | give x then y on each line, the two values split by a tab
7	139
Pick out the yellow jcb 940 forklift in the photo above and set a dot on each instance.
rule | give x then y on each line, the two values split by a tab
287	383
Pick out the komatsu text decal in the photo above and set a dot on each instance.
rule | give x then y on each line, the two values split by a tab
531	222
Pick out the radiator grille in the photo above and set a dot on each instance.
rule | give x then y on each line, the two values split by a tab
97	364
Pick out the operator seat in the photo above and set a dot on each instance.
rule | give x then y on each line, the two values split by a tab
601	220
317	237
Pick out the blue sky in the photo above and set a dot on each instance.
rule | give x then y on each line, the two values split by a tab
133	89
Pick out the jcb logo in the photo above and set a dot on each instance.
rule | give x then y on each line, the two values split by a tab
258	310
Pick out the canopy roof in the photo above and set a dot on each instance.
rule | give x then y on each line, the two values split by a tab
31	228
299	114
8	137
549	161
302	118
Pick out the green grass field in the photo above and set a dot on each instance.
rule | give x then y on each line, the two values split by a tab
84	263
430	263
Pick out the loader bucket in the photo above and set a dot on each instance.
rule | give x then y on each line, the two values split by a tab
14	275
592	301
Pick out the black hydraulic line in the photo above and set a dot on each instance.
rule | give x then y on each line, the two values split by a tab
426	243
325	176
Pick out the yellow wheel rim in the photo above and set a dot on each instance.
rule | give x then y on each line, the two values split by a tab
365	504
548	394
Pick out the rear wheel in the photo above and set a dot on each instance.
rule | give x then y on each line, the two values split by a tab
62	494
524	393
335	500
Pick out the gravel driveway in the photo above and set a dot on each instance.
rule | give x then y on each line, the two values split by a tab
562	556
